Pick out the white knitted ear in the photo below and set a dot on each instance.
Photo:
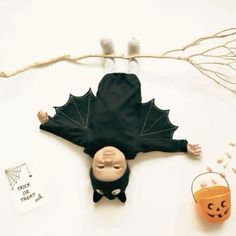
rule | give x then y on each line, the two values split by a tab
107	46
133	47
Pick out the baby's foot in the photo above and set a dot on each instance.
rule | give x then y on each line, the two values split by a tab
43	117
133	47
107	46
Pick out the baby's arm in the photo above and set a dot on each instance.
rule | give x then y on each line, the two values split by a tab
194	149
168	145
43	117
63	128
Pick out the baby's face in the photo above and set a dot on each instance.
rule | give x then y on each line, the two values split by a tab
109	164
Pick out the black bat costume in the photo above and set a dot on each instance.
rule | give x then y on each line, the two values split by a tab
115	117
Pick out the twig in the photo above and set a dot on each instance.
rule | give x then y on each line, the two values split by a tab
69	58
226	59
198	41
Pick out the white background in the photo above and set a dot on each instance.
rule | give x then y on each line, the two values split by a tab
159	197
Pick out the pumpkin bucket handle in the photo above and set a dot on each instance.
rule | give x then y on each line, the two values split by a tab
205	174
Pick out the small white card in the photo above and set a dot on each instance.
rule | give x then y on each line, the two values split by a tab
25	187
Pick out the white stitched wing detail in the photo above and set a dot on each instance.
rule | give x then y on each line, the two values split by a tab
77	109
155	121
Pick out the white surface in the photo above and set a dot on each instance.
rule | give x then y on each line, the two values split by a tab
159	198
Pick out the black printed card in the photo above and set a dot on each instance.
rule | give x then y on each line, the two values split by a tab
25	187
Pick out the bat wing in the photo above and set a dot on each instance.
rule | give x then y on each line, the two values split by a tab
76	110
155	121
72	119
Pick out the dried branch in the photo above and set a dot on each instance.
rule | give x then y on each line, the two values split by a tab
71	59
200	40
226	58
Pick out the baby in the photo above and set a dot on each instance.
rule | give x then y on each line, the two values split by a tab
114	126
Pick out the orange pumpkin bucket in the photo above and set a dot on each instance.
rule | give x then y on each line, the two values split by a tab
213	203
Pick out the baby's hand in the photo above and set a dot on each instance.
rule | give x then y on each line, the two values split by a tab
194	149
43	116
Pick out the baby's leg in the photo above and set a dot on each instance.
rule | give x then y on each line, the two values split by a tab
133	49
109	65
108	49
133	67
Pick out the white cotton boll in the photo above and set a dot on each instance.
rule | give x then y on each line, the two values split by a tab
133	47
107	46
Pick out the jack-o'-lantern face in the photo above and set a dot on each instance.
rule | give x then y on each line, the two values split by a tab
213	203
218	209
